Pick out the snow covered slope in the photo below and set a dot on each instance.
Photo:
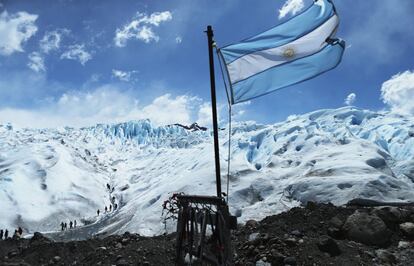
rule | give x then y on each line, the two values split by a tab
51	175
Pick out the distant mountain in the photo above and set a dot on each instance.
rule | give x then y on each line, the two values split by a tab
193	127
51	175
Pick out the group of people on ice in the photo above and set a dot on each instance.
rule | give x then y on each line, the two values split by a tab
17	233
72	225
113	205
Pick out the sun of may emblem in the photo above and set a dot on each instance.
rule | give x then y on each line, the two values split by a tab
289	52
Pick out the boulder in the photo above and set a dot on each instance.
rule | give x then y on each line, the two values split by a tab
367	228
385	256
391	216
252	223
407	229
336	222
39	239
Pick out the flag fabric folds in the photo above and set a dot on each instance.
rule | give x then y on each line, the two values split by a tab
297	50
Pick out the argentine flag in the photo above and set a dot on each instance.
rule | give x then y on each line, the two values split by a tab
297	50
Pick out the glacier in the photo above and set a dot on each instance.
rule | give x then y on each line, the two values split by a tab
333	155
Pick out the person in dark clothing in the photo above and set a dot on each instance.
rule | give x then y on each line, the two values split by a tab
20	230
62	225
115	206
66	226
6	234
113	199
1	234
74	224
98	212
110	207
70	225
106	209
108	186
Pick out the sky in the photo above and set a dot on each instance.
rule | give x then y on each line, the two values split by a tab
77	63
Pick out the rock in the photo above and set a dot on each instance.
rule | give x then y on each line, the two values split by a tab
262	263
310	205
391	216
385	256
125	241
276	257
367	229
407	229
252	223
336	222
328	245
122	262
56	258
101	248
291	242
38	238
253	236
12	253
118	245
264	236
290	261
335	233
403	244
296	233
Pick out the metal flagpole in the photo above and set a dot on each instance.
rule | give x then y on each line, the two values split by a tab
214	108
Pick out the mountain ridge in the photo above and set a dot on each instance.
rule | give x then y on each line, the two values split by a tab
331	155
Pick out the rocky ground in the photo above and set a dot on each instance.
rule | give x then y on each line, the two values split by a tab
318	234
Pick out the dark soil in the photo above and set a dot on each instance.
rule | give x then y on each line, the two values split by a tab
313	235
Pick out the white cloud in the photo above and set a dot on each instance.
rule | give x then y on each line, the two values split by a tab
141	28
168	110
52	39
205	115
15	30
123	75
178	39
36	62
350	99
106	104
398	93
291	7
77	52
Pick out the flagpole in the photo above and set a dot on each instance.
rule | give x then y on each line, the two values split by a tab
214	108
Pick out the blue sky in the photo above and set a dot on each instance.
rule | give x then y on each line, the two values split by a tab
82	62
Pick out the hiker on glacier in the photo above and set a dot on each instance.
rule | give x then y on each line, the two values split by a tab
70	225
6	234
62	225
1	234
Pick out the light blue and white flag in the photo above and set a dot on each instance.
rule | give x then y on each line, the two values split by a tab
297	50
